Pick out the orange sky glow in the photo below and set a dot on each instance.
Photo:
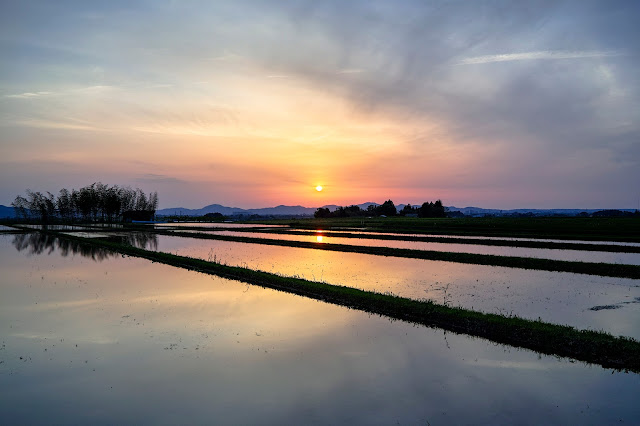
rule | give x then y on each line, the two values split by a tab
228	110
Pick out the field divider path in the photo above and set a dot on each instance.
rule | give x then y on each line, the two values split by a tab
613	248
620	229
620	353
589	268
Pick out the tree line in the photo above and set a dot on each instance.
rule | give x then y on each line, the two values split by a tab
388	208
97	203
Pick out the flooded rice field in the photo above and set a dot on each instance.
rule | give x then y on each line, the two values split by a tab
569	255
216	225
62	227
359	231
111	339
583	301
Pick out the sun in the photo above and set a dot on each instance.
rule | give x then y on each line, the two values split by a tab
319	188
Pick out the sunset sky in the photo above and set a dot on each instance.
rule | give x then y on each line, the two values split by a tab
254	103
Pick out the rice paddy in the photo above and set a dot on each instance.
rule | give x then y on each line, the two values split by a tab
372	321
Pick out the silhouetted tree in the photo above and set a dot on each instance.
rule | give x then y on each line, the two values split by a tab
128	197
387	208
112	203
322	212
408	209
65	204
41	207
431	209
93	202
141	200
21	207
153	202
84	202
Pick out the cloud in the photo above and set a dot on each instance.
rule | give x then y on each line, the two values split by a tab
486	59
51	124
159	178
88	90
410	72
350	71
303	75
29	95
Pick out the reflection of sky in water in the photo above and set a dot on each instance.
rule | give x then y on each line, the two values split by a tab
217	225
480	237
571	255
562	298
128	340
357	231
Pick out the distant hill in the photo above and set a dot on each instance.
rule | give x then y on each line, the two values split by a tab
280	210
283	210
231	211
478	211
212	208
333	207
6	212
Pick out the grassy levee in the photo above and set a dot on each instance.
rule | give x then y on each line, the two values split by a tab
567	228
590	268
450	240
584	345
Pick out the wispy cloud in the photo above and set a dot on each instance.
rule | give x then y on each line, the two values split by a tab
94	89
350	71
227	56
543	54
50	124
159	178
358	94
28	95
88	90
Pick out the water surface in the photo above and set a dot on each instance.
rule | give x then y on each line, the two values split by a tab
125	340
397	234
568	255
217	225
557	297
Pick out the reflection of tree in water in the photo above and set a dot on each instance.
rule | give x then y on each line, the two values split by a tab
35	243
144	240
38	243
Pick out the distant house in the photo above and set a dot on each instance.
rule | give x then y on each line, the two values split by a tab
138	215
214	215
455	213
612	213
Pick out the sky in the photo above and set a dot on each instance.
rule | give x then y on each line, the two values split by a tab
496	104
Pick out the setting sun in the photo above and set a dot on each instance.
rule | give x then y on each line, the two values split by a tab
319	188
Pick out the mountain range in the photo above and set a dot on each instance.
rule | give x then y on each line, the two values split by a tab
6	212
282	210
309	211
